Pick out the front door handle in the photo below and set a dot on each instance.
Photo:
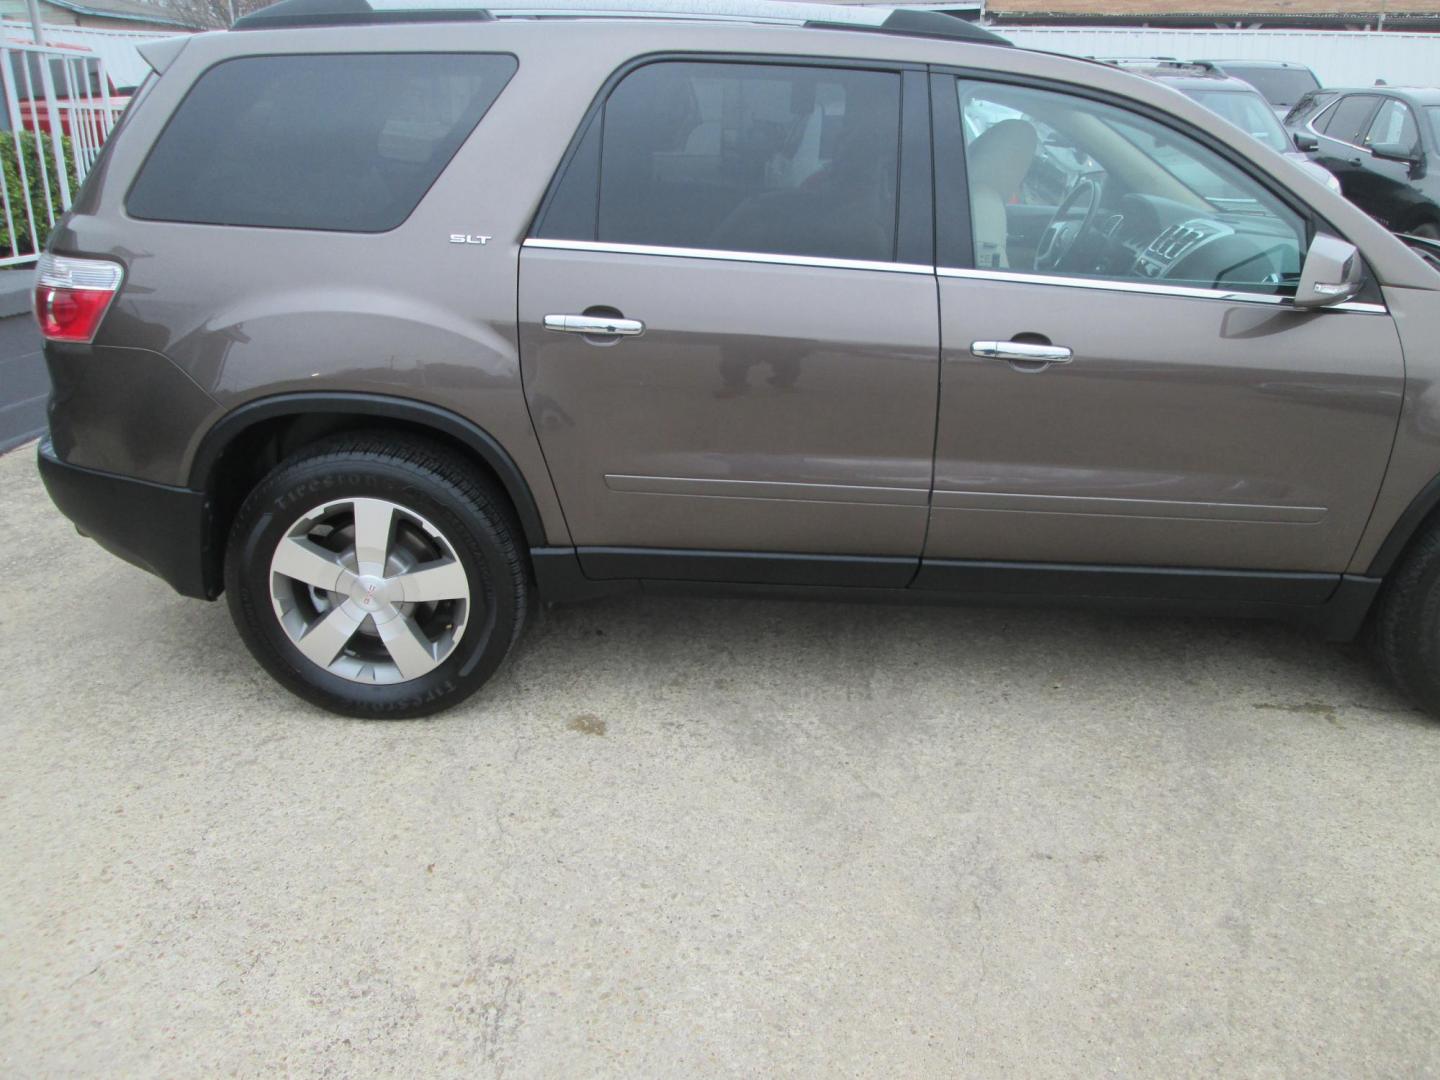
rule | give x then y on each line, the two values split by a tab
594	324
1023	351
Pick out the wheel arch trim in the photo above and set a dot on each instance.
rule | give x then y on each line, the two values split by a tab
1405	528
235	423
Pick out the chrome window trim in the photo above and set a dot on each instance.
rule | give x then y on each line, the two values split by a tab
1336	104
726	256
1103	284
1110	285
1310	124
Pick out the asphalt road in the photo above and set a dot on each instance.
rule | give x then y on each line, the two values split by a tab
719	838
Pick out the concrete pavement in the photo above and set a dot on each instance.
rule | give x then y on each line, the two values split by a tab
708	838
24	382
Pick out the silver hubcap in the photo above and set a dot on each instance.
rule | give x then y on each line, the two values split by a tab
369	591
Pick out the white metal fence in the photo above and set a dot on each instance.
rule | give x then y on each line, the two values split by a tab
58	111
1338	57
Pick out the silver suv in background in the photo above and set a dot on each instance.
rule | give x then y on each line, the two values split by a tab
390	322
1233	99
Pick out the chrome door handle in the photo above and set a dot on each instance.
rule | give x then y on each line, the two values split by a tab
1022	351
592	324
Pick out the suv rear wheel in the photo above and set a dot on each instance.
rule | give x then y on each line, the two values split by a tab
376	575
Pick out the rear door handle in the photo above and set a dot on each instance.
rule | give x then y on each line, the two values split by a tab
1022	351
592	324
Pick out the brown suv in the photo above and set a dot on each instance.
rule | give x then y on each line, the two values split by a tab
392	322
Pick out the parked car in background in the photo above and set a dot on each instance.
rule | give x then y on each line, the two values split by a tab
85	100
1281	82
741	305
1233	99
1382	143
1307	107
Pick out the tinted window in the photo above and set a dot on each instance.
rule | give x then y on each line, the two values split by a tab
1394	124
1143	202
1347	120
1282	87
741	157
349	143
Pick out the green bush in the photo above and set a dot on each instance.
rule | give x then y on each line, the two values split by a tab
31	145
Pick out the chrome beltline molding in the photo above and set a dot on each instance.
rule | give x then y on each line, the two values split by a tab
1110	285
1102	284
728	256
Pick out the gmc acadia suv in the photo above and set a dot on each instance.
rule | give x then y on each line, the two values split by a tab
390	322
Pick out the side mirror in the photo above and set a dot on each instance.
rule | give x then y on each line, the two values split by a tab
1332	273
1394	151
1306	144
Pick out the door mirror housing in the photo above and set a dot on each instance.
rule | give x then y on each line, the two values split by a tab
1386	151
1306	144
1333	273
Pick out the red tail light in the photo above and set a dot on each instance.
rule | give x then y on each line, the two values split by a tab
72	295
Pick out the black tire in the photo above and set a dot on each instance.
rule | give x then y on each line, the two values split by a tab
1405	631
422	478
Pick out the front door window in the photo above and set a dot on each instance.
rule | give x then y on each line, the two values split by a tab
1065	185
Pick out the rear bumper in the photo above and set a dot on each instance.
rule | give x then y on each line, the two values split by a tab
162	529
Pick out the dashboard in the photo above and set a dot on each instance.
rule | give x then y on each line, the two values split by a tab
1148	236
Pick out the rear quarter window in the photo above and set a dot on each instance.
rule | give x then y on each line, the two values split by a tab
348	143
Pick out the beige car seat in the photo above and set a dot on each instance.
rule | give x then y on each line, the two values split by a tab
998	162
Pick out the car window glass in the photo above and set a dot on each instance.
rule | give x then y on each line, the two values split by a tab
1308	106
1138	200
747	157
342	142
1280	86
1433	111
1247	111
1395	124
1347	120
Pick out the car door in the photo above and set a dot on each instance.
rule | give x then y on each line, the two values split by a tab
729	328
1144	396
1386	187
1339	133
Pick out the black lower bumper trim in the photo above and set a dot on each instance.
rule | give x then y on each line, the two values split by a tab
160	529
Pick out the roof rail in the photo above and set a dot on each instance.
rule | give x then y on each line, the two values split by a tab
931	24
1171	62
293	13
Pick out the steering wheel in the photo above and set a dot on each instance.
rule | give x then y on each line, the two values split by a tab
1065	228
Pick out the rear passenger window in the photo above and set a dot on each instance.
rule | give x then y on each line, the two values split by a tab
341	142
739	157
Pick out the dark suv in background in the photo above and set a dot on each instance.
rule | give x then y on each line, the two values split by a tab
1281	82
392	321
1382	145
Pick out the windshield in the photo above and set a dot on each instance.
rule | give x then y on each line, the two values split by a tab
1247	112
1281	86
